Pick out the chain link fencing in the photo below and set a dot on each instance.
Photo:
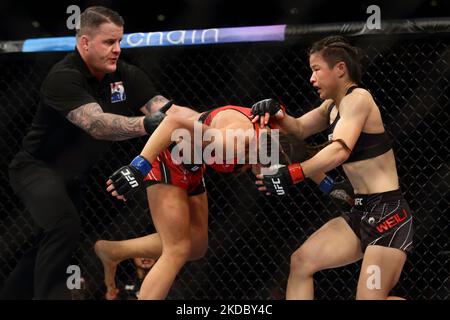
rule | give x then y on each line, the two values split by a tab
252	236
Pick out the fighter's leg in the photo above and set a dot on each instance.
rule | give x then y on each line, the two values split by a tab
169	206
333	245
198	209
111	253
385	263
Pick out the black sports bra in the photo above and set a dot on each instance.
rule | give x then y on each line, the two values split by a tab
369	145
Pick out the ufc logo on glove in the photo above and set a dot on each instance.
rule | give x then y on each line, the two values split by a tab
277	186
127	174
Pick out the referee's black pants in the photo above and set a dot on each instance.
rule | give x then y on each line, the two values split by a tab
41	273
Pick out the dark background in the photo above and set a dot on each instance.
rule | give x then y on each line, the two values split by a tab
24	19
251	236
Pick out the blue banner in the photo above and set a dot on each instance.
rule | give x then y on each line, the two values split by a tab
49	44
170	38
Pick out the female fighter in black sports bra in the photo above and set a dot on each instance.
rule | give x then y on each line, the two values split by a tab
379	228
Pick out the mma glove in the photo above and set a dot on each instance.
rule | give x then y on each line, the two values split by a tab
286	176
130	178
151	122
269	106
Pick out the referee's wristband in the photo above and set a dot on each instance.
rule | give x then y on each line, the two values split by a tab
326	185
142	165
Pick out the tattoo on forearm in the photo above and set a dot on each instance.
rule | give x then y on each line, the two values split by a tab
156	100
106	126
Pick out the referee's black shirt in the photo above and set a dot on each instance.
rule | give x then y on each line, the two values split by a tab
53	140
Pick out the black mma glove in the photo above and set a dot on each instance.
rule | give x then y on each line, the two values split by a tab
268	106
340	190
285	177
151	122
130	178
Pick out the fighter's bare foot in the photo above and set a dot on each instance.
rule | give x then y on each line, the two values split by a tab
104	251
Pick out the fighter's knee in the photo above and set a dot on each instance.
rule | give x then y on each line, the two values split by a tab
303	261
199	249
180	251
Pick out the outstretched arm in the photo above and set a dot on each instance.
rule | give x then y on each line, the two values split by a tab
354	110
108	126
310	123
166	134
129	178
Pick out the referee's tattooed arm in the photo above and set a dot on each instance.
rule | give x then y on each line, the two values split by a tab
106	126
156	102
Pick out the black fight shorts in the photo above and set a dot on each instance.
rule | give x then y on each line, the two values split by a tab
382	219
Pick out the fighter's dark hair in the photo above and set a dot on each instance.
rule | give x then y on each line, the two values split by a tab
336	49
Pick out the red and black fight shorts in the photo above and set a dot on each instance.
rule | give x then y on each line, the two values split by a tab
382	219
165	171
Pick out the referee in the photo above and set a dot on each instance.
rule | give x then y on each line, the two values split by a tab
87	100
